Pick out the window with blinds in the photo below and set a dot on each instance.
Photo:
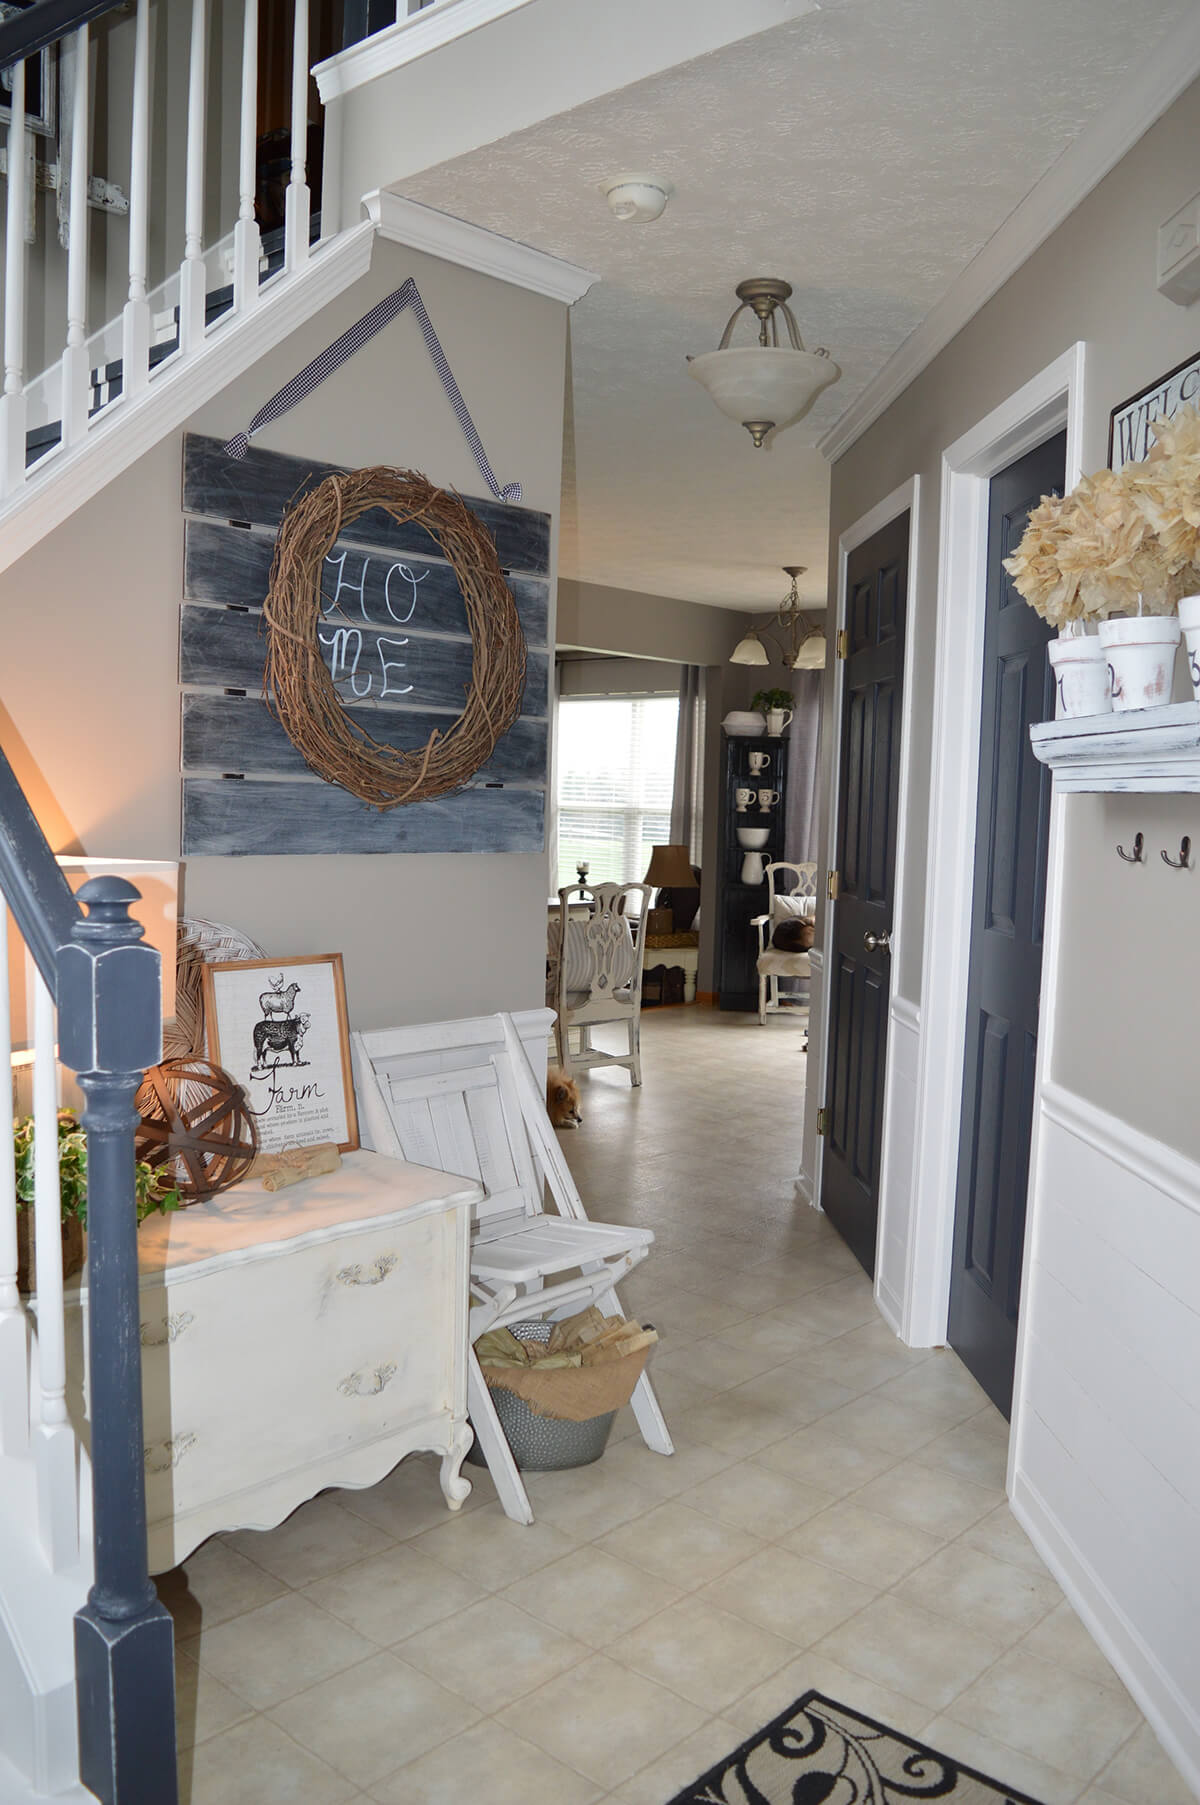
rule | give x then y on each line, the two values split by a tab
616	768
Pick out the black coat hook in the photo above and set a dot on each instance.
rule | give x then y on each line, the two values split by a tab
1135	857
1179	864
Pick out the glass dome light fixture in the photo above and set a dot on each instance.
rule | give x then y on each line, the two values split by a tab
767	386
803	646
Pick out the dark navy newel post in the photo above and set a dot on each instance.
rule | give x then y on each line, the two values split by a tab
110	1029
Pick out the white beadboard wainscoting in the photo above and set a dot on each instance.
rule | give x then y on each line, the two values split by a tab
1104	1459
894	1252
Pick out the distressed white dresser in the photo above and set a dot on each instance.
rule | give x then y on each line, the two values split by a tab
300	1339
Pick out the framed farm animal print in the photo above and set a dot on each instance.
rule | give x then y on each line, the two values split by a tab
278	1026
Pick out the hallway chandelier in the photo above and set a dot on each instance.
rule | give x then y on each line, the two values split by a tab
767	386
803	648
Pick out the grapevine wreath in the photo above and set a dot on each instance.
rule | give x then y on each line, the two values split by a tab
298	684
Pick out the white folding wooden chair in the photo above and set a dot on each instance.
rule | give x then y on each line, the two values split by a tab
463	1097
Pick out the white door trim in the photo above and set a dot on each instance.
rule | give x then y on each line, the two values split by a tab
906	498
1044	405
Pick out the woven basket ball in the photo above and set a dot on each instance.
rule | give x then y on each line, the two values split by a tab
195	1126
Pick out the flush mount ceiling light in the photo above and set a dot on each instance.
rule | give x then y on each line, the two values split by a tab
767	385
636	199
803	644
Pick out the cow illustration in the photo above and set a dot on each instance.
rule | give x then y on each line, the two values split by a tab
278	1001
279	1037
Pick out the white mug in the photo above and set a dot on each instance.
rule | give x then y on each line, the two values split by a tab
768	798
744	799
759	762
778	719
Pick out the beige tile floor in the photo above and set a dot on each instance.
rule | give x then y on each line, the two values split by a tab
834	1516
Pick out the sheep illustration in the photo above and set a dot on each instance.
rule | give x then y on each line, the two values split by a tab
277	1000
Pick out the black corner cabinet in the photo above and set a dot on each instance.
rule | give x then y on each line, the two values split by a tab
739	903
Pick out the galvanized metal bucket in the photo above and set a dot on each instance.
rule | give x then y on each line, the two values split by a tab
542	1444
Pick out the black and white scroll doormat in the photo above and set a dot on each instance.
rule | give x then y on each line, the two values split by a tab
818	1752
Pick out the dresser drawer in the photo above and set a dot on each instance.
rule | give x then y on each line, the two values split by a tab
263	1366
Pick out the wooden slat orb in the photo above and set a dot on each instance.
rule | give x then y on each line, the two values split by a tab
196	1126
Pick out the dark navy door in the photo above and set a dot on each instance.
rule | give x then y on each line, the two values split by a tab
1004	985
868	798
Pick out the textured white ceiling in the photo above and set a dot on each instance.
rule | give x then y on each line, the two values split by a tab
864	153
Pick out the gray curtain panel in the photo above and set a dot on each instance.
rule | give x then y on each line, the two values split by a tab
804	752
687	796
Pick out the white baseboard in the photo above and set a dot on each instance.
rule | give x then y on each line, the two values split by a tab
1168	1713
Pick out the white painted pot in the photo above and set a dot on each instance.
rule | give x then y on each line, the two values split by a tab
1141	659
1080	666
741	723
1189	621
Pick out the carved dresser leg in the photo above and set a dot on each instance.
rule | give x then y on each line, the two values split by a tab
455	1487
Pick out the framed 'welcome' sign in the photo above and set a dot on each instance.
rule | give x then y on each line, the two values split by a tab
1129	435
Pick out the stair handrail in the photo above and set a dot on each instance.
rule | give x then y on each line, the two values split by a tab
38	893
107	983
42	24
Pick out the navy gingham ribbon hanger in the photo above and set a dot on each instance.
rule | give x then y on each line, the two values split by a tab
352	340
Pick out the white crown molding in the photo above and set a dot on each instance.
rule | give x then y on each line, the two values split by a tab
122	433
423	228
1142	99
404	42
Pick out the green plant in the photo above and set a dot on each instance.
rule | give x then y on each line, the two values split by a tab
772	698
151	1193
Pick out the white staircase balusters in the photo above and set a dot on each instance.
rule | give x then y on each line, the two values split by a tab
192	271
14	1337
53	1436
76	378
298	201
12	402
135	346
247	243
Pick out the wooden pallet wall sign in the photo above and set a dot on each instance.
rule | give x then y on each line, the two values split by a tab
395	638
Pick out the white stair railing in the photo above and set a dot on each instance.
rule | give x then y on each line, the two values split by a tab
12	403
297	201
72	387
37	1390
135	353
192	273
54	1446
76	385
247	244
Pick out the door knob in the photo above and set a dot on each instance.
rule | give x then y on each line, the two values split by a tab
878	942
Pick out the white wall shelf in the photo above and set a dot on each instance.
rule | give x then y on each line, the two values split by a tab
1145	750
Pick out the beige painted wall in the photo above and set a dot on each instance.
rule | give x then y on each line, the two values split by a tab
587	675
91	629
1092	280
596	619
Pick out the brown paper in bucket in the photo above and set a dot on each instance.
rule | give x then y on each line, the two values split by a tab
572	1394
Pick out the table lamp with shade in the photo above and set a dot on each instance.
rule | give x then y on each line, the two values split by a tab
670	868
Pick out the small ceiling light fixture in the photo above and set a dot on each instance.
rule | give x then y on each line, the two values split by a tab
804	646
636	199
767	385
